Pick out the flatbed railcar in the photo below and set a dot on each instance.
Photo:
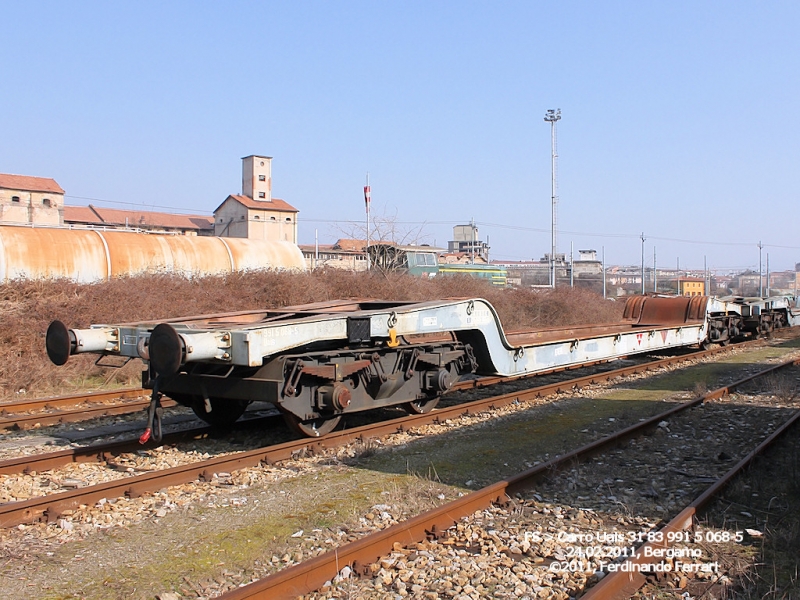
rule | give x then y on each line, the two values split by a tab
317	362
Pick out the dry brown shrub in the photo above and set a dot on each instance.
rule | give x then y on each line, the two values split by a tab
29	306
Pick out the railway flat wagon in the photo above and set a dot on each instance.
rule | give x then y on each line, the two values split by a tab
317	362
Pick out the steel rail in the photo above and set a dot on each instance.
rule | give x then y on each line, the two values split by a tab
620	585
67	409
312	574
101	452
92	453
51	506
23	421
28	404
78	414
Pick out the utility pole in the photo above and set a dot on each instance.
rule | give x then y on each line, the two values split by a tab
571	265
643	239
367	200
678	277
767	274
604	273
552	117
655	272
472	241
760	279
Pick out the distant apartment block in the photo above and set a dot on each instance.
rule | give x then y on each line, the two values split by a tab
692	286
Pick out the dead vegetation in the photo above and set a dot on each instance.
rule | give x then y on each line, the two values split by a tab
29	306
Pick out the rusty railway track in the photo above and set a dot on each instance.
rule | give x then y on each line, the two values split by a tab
312	574
103	451
51	506
619	585
27	413
23	414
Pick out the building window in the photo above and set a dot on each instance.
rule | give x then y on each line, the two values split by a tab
46	201
262	177
272	219
256	217
288	219
262	195
15	198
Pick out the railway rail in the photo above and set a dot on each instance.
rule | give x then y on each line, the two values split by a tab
318	362
624	583
358	556
22	414
51	506
42	412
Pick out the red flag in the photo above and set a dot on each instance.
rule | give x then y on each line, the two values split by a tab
366	196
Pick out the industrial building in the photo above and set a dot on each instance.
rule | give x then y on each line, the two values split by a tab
42	238
95	217
30	200
255	214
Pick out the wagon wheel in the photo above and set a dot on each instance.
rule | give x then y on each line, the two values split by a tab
418	407
311	427
224	412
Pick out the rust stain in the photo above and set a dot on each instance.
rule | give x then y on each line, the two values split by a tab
86	256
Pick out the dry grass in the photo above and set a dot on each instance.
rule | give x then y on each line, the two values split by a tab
29	306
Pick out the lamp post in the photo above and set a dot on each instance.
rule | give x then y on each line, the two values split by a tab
367	200
552	117
604	271
643	239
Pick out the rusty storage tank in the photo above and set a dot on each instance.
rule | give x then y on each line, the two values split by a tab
89	255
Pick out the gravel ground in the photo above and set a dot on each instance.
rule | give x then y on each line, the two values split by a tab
545	545
204	538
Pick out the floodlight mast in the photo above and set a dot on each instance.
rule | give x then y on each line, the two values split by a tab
552	117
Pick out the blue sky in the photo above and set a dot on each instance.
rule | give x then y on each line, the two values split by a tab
680	119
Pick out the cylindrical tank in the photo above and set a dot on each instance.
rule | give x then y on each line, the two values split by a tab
89	255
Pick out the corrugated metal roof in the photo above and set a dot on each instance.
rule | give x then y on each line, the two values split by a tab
29	184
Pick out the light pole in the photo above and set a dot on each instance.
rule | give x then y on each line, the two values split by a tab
552	117
604	272
655	272
768	274
643	239
367	200
760	280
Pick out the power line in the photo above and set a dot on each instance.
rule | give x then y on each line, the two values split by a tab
505	226
140	206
